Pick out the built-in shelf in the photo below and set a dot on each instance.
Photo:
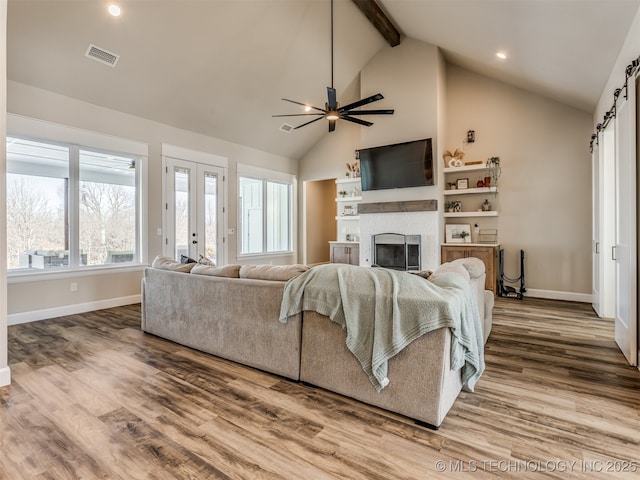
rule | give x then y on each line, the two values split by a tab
466	191
349	199
348	217
491	213
348	180
467	168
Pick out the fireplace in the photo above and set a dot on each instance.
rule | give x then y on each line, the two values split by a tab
396	251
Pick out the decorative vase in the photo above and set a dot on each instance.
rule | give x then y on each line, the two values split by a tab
486	206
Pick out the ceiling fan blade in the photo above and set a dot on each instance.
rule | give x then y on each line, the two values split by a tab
332	125
304	124
369	112
359	103
297	114
332	101
304	105
356	120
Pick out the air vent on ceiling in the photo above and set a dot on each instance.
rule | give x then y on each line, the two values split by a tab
101	55
286	128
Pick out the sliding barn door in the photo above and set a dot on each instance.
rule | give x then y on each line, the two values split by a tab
625	250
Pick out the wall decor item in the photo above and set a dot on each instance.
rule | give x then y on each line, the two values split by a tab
462	183
458	233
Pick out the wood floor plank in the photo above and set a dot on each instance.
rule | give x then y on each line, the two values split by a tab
94	397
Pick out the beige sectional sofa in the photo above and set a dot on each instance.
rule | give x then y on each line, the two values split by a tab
238	319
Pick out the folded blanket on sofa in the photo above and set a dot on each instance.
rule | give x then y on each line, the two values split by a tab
384	310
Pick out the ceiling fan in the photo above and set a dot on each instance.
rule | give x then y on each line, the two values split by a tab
332	110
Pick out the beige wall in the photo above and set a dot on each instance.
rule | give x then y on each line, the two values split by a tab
4	369
320	206
545	189
36	103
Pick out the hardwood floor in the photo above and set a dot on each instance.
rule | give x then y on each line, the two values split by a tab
94	397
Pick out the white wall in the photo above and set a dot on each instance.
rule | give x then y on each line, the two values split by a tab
545	189
97	289
5	376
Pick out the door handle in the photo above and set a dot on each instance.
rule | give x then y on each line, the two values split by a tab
597	247
613	253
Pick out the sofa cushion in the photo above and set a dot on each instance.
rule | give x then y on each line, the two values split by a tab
167	263
229	271
186	259
455	267
473	265
280	273
206	261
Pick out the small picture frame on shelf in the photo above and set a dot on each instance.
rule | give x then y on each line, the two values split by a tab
458	233
462	183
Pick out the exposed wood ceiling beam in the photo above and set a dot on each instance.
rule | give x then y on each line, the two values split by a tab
379	20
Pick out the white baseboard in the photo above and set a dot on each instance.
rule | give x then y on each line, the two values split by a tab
557	295
24	317
5	376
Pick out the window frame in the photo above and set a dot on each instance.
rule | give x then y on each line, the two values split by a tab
76	140
267	176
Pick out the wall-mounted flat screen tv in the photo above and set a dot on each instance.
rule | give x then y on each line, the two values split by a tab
407	164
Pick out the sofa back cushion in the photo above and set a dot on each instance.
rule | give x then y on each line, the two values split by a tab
168	263
229	271
280	273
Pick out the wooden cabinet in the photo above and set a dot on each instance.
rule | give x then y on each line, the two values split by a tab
345	252
487	253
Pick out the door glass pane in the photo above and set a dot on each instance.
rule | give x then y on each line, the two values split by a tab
251	215
37	205
277	217
181	209
107	223
210	216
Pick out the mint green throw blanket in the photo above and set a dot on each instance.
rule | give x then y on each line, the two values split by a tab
384	310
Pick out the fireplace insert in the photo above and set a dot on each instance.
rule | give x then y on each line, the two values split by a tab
396	251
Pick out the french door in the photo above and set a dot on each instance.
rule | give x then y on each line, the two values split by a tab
194	209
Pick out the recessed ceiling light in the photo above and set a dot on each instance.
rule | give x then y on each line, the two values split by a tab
307	108
501	55
114	10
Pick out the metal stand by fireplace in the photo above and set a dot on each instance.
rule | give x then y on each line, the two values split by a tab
396	251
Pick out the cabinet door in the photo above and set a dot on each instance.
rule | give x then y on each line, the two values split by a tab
450	254
340	254
354	255
489	257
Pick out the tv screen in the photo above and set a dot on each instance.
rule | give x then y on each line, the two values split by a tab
408	164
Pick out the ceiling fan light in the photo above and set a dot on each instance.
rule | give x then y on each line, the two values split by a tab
332	116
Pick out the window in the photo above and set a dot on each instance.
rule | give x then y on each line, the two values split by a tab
107	220
70	206
266	213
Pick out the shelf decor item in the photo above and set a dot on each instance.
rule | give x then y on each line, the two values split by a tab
453	206
453	159
458	233
496	171
462	183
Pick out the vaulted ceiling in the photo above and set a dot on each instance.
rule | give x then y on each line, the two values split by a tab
220	67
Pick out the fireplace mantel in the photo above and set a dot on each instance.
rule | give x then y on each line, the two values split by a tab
394	207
